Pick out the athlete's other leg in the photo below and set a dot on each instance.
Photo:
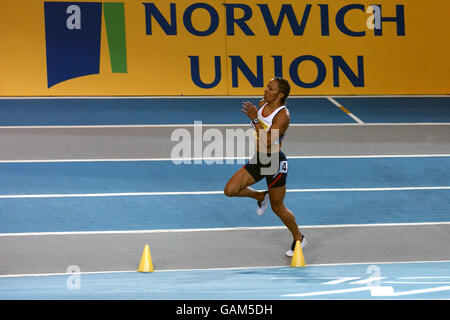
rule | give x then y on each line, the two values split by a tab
238	186
276	195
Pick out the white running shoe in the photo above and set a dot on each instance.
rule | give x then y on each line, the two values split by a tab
290	253
261	206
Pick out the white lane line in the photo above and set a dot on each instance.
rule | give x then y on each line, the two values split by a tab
191	125
417	282
368	280
210	269
224	158
175	193
122	194
327	292
324	226
106	126
426	277
341	107
374	291
419	291
341	280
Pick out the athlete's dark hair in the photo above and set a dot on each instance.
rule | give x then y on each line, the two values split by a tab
284	88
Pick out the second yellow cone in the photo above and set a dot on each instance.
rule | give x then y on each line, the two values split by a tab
146	264
297	259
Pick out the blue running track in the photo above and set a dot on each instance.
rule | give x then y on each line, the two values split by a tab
97	194
115	195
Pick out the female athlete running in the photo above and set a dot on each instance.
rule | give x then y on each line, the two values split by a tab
270	122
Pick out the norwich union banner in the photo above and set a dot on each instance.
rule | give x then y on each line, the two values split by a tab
227	47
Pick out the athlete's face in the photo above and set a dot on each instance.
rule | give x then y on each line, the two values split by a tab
272	91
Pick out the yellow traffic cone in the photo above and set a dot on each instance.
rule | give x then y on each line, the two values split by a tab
146	264
297	259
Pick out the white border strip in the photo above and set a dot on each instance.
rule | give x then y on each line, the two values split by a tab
218	269
325	226
188	125
176	193
225	158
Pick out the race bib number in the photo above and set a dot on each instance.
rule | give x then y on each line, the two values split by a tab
283	167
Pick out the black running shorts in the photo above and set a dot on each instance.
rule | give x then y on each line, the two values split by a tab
273	167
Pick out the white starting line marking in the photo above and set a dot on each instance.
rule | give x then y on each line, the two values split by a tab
375	291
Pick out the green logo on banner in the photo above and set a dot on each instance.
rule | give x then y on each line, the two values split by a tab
115	29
